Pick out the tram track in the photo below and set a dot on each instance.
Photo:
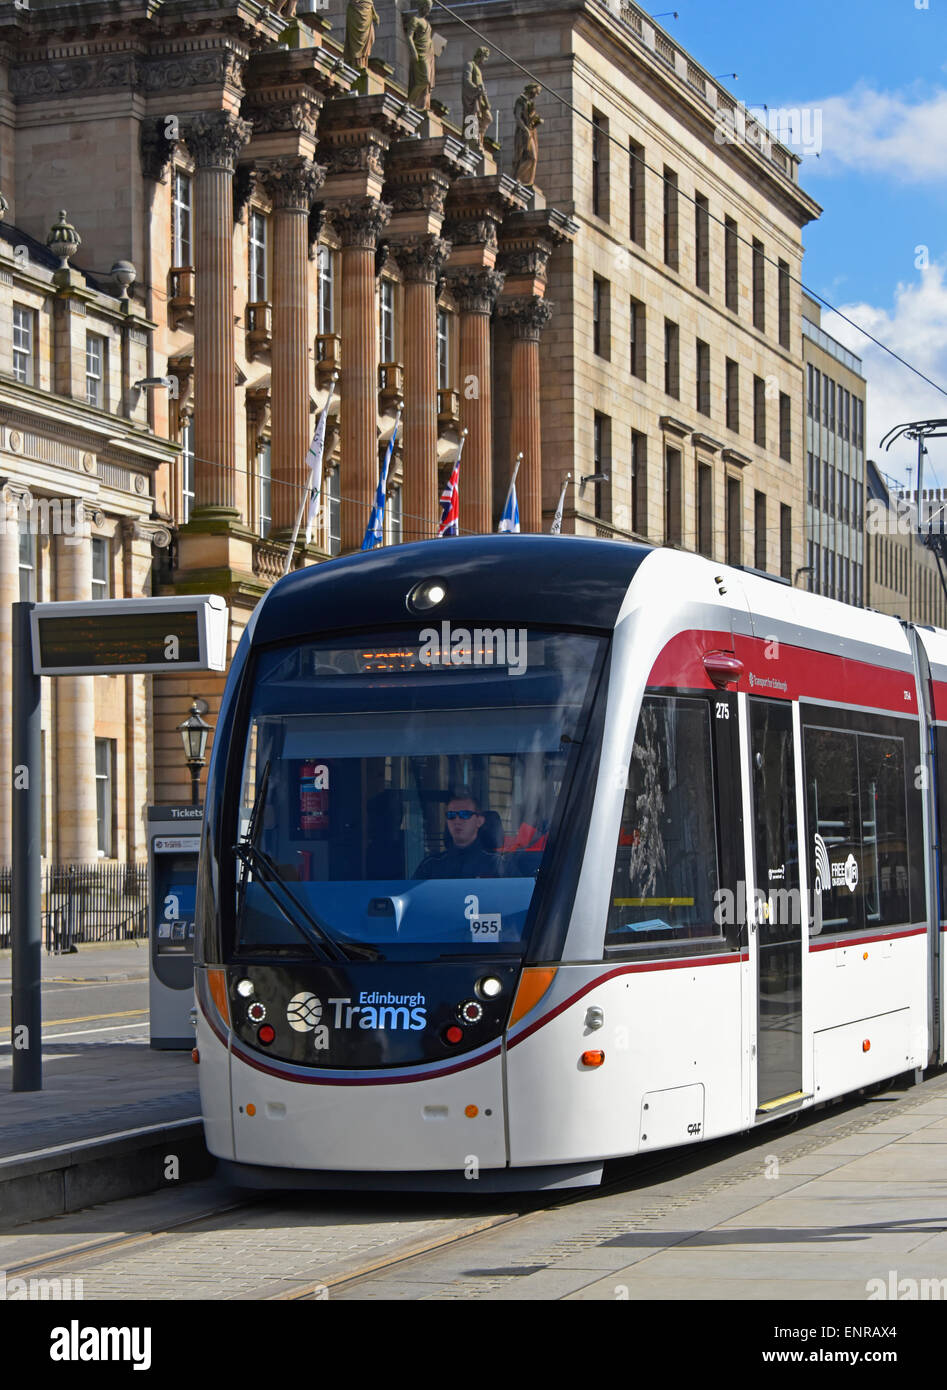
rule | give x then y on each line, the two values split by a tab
635	1172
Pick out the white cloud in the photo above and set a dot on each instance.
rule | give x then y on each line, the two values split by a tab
915	327
900	134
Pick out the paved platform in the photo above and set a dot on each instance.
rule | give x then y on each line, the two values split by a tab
104	1100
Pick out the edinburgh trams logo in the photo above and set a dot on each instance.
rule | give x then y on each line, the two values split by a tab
836	873
375	1009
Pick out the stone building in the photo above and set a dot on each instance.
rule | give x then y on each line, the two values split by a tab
672	361
632	318
901	575
834	434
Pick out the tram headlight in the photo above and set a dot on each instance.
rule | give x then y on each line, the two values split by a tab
428	594
245	988
489	987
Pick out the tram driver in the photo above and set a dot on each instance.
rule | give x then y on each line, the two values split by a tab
466	857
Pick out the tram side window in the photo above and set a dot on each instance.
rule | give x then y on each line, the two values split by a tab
858	828
666	871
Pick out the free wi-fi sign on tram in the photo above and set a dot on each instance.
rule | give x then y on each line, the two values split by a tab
111	636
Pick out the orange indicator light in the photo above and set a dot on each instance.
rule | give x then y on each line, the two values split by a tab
471	1112
593	1059
195	1055
866	1045
251	1109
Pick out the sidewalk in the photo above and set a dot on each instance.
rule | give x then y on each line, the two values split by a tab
106	1109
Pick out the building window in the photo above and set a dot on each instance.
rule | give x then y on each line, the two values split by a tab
785	541
601	334
386	324
759	518
326	265
833	391
187	469
731	264
815	578
828	388
846	425
264	472
393	517
101	567
636	193
702	242
785	427
95	356
825	487
816	394
860	425
672	496
733	396
759	286
24	338
181	253
734	522
672	359
671	252
703	377
335	512
759	411
638	362
599	165
259	289
601	458
28	564
104	794
443	350
785	339
639	483
809	390
705	510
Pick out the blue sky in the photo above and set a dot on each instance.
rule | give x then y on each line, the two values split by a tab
877	72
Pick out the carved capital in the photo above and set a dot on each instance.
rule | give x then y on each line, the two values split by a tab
156	148
244	182
527	316
467	231
359	221
476	291
291	182
427	193
215	138
422	257
222	68
134	529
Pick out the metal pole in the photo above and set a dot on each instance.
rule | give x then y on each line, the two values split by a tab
195	782
26	934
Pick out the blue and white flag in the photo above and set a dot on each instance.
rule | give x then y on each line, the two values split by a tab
510	520
375	530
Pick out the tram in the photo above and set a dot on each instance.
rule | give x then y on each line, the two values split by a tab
522	854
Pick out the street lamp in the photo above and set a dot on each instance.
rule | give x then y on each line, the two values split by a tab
194	731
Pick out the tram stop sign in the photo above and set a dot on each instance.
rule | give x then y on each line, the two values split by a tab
110	636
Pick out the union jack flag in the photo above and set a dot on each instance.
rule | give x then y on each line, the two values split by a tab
450	504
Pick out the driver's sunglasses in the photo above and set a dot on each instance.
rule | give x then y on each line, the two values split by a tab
461	815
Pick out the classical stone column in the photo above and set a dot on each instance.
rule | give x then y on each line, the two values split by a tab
291	184
527	317
214	139
421	259
9	594
359	221
75	721
475	292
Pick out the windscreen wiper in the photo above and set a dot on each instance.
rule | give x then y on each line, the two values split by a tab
315	932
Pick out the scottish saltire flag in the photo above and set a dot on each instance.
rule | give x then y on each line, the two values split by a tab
450	503
314	458
556	527
375	530
510	520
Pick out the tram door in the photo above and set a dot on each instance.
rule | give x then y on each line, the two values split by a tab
780	921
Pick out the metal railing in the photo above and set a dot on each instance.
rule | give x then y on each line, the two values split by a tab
84	903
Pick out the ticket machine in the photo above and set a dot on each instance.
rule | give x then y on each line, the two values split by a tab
174	838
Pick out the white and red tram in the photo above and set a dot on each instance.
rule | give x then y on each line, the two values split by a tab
521	854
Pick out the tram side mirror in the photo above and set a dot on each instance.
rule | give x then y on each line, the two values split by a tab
815	926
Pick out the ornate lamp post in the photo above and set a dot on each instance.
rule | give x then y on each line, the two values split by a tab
194	731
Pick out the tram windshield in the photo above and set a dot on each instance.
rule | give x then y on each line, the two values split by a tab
400	790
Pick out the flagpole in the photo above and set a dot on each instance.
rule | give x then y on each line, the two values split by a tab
380	491
307	494
516	469
556	527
